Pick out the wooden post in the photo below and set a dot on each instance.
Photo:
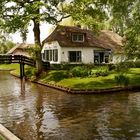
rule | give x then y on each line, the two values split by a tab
21	73
22	70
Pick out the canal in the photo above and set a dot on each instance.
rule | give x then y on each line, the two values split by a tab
41	113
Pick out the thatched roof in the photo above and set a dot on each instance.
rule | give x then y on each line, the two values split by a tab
106	39
20	49
111	40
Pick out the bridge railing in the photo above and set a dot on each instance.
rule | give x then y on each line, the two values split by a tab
8	59
16	59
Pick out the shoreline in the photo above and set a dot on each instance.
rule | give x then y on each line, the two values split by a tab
89	91
85	91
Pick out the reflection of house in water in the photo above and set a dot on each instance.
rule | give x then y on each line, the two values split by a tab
21	49
72	44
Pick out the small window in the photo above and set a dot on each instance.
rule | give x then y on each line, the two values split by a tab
78	37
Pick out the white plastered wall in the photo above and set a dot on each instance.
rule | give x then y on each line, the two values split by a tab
87	53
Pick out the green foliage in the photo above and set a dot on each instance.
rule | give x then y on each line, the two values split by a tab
122	80
5	46
34	51
23	12
31	72
68	66
89	13
123	17
101	71
56	76
111	67
80	71
17	15
137	64
123	67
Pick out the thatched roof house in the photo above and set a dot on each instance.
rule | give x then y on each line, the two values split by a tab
21	49
105	39
73	44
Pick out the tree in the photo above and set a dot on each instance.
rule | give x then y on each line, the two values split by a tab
123	17
17	15
5	43
89	13
5	46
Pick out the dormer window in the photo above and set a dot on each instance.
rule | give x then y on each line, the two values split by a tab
77	37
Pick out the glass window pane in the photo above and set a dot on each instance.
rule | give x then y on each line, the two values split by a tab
80	37
74	56
55	55
50	55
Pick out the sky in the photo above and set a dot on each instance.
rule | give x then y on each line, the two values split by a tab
45	31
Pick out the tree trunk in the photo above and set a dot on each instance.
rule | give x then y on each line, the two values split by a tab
37	41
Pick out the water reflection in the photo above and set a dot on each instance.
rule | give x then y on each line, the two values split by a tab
23	86
40	113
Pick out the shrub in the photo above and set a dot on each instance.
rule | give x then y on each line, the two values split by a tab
111	67
122	80
31	72
137	64
80	71
102	71
57	75
123	67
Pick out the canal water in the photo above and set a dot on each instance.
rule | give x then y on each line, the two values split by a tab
41	113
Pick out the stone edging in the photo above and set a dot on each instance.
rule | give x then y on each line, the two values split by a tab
94	91
7	134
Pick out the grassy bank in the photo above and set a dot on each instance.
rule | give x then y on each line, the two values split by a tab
14	67
64	78
100	82
9	66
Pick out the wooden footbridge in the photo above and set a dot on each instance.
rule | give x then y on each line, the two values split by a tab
22	60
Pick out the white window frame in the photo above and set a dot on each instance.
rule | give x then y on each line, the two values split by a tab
51	55
77	35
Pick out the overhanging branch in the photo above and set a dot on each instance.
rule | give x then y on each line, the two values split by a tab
63	17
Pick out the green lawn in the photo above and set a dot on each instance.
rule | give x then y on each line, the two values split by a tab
14	67
9	66
101	82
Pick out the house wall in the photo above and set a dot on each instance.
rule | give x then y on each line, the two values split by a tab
87	53
52	45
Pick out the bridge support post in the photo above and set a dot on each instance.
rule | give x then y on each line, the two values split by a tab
22	70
